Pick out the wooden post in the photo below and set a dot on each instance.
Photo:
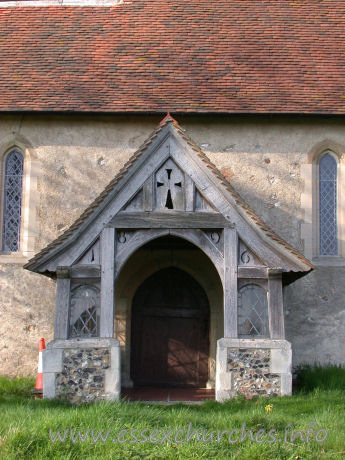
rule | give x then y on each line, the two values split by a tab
230	282
275	304
148	194
63	293
190	193
107	282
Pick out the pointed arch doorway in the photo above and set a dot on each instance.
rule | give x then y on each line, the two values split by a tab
170	331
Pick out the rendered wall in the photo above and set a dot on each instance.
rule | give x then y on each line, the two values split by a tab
76	156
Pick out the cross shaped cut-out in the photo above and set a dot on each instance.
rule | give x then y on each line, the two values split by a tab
169	202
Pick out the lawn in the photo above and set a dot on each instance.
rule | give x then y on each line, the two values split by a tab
25	424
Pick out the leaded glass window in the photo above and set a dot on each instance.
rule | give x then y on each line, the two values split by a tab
84	313
252	312
12	211
328	205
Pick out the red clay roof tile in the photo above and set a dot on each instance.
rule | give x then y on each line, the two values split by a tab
257	56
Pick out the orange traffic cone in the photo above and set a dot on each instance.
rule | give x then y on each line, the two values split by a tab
39	379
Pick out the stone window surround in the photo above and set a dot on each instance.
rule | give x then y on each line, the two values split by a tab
30	198
310	201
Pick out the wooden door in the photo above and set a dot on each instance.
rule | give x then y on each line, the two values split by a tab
170	331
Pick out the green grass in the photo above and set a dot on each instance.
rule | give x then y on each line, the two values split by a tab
25	424
330	377
21	386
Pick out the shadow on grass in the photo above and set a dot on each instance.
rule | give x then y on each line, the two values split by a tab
316	377
20	386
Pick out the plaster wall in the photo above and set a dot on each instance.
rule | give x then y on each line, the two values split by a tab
76	156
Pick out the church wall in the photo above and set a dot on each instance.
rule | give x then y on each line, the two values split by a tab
77	155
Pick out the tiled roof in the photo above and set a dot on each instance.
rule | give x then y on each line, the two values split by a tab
233	56
240	203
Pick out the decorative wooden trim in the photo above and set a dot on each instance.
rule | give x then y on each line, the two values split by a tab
107	249
137	240
252	272
169	219
195	236
275	304
230	282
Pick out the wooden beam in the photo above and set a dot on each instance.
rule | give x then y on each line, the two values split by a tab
169	219
148	194
85	271
107	282
275	305
62	306
252	272
189	193
230	282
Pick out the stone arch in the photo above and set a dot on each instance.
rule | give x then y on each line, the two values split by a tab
327	145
